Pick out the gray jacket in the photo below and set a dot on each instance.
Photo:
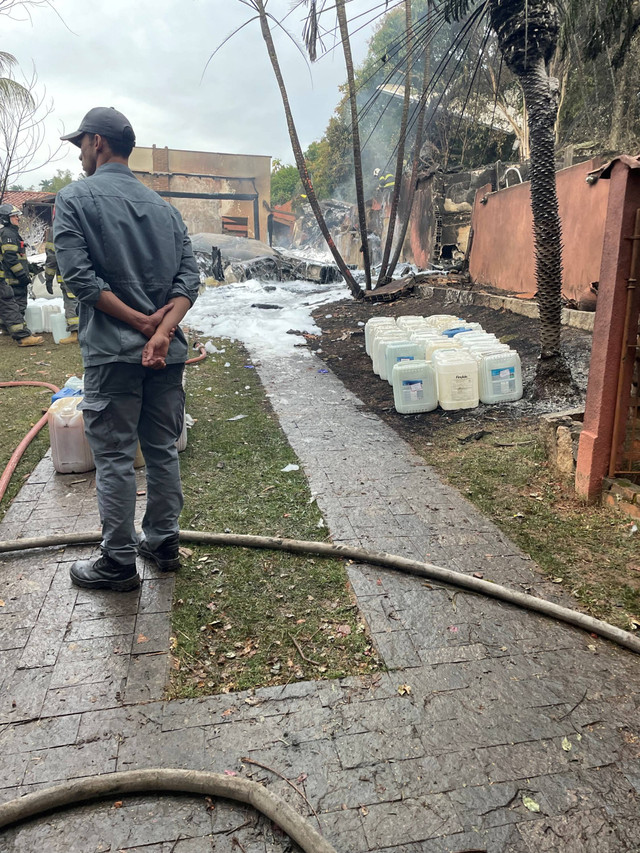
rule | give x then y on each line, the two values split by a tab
113	233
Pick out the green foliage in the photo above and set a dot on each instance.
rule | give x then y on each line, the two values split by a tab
330	161
285	183
59	180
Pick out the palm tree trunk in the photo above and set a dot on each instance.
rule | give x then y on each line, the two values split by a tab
541	97
382	278
411	189
352	284
355	135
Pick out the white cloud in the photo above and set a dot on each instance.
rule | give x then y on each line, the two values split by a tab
147	59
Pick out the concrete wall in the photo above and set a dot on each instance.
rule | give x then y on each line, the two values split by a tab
202	172
502	251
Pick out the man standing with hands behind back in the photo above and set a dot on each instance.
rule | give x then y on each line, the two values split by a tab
127	257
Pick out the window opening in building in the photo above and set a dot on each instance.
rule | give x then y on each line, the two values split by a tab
236	225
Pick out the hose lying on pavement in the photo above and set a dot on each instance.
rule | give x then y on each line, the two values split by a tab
236	788
182	781
378	558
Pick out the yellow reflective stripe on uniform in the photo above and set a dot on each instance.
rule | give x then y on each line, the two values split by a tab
70	295
72	322
59	279
17	327
16	267
50	271
49	246
9	247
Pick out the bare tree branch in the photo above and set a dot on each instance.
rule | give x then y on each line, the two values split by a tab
22	132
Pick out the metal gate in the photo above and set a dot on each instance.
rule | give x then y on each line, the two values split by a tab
625	446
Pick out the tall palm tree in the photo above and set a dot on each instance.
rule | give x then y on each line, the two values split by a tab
527	33
401	145
355	133
411	187
263	16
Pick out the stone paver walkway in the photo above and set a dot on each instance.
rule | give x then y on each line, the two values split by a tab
504	706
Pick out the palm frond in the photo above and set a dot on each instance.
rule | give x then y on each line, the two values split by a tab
13	93
310	31
455	10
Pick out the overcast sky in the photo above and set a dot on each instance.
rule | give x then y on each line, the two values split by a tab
147	57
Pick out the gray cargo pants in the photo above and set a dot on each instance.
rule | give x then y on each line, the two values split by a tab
123	403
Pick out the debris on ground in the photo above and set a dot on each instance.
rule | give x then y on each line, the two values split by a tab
222	258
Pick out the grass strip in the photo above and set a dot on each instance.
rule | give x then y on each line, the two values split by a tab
245	618
589	550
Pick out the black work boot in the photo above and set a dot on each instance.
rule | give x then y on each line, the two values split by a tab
104	573
166	556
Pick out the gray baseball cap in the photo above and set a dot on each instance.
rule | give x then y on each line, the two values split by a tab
103	120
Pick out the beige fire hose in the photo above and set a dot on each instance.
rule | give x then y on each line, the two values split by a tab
241	789
378	558
182	781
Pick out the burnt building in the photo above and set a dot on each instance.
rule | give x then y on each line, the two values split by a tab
216	193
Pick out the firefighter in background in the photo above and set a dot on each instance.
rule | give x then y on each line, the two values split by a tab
385	181
70	302
14	278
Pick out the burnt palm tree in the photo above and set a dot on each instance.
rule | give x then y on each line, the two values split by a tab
384	266
355	134
263	17
527	33
411	187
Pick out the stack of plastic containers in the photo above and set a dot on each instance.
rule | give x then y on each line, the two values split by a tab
369	327
379	347
443	321
411	322
442	360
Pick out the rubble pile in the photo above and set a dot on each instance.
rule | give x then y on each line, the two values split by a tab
227	260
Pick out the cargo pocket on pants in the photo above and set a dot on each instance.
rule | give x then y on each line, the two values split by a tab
98	424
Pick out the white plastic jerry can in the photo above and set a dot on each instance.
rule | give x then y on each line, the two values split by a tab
398	351
499	377
370	325
457	379
440	343
379	347
47	311
70	451
58	327
414	386
33	318
410	321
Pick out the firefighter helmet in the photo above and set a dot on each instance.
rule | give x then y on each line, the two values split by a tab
7	211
